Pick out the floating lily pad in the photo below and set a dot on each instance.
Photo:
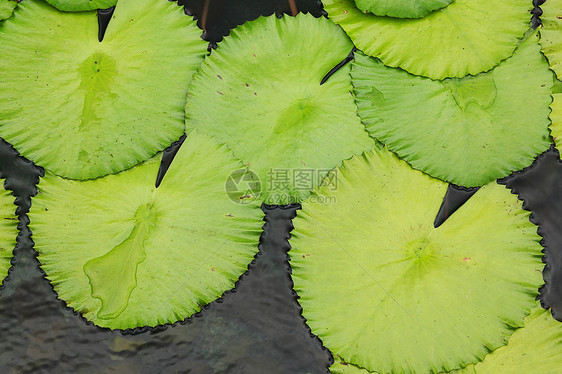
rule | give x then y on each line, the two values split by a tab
81	5
401	8
6	8
388	292
534	348
8	230
125	254
260	93
467	37
551	34
83	109
467	131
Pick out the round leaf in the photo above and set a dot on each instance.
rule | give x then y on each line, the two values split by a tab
401	8
290	130
125	254
467	37
467	131
388	292
84	109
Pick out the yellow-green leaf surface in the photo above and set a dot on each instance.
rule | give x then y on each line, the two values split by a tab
401	8
8	230
534	348
466	37
468	131
125	254
551	34
556	118
6	8
260	93
388	292
83	109
81	5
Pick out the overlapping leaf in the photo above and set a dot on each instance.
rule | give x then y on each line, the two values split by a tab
260	94
125	254
467	131
84	109
6	8
534	348
401	8
551	34
81	5
466	37
385	290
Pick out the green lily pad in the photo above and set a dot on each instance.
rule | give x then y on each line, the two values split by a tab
551	34
386	291
125	254
83	109
401	8
7	8
467	131
81	5
8	230
534	348
467	37
556	118
291	130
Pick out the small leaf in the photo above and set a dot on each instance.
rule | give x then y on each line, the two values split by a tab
81	5
401	8
7	8
466	37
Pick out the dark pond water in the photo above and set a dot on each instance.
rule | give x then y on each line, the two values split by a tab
256	328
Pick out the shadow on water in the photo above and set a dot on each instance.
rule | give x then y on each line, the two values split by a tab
220	16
